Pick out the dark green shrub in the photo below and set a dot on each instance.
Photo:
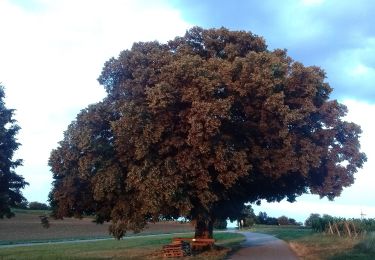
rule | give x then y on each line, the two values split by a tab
220	224
248	222
283	220
38	206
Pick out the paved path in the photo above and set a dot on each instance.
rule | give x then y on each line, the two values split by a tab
261	246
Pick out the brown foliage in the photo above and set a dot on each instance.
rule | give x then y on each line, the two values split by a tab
198	126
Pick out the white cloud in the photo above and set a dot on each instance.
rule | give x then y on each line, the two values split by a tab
362	113
359	70
353	68
51	56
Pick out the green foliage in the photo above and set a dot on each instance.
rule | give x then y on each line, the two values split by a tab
272	221
22	205
322	224
264	219
10	183
249	222
199	126
283	220
38	206
313	217
247	217
220	224
292	221
367	224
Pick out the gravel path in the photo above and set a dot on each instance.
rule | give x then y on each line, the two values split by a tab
261	246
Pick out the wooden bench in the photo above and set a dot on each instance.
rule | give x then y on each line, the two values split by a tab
181	239
178	248
195	243
201	243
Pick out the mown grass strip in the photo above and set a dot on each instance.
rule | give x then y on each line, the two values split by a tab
132	248
311	245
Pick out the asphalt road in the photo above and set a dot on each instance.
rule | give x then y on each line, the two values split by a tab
261	246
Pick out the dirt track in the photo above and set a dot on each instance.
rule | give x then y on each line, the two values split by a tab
261	246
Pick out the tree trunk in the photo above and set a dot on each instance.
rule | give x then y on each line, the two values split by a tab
204	229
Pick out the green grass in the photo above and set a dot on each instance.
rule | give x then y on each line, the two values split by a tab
364	249
83	238
131	248
286	233
31	211
368	244
57	240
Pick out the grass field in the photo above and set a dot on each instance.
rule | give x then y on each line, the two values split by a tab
130	248
26	227
310	245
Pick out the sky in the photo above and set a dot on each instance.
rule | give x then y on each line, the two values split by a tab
52	52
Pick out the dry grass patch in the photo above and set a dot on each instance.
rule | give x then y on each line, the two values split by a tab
310	246
320	246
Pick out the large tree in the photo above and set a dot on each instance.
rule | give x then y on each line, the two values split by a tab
199	126
10	182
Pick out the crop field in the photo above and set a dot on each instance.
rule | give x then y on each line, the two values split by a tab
26	227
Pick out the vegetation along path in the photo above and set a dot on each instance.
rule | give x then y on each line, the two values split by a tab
87	240
261	246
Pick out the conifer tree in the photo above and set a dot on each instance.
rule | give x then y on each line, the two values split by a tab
10	182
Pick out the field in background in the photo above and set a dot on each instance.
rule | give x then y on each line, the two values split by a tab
26	227
310	245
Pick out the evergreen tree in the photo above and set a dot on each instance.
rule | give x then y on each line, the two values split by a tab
10	183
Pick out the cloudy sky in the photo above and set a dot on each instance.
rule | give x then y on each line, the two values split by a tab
52	52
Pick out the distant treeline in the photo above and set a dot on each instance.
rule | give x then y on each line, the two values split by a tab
340	226
34	205
248	219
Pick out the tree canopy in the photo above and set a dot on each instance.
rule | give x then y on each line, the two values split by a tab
10	183
197	127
